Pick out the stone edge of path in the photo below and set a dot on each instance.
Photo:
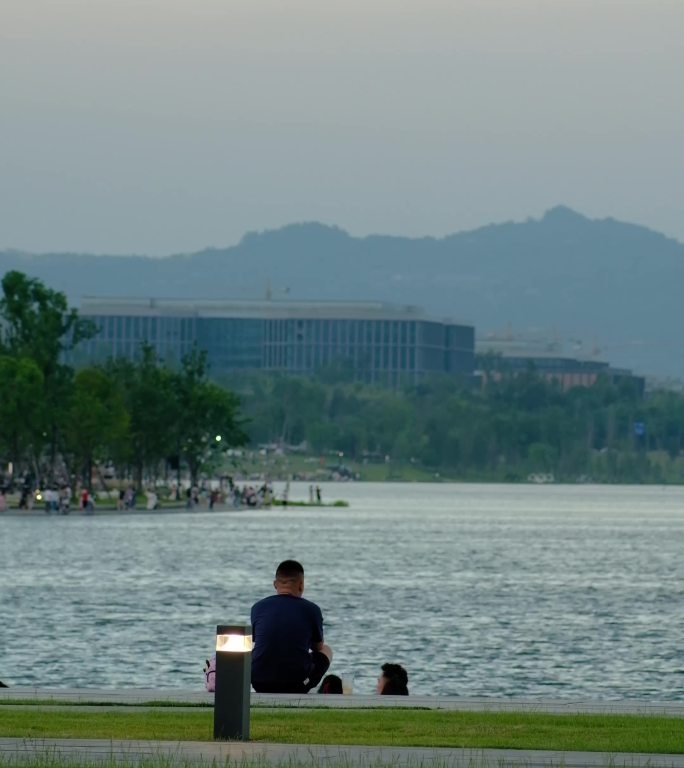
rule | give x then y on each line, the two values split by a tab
147	696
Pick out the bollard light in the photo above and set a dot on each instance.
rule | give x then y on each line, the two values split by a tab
233	678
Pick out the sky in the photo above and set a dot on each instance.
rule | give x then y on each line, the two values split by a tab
166	126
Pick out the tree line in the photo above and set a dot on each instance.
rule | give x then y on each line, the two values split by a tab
505	429
148	418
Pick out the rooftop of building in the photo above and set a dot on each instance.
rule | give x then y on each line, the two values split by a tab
538	347
255	309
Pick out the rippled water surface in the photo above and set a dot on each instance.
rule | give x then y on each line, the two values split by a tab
537	591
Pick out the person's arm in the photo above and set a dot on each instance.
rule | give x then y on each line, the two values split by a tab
326	650
317	630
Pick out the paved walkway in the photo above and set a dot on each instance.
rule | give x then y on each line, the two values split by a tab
18	750
170	753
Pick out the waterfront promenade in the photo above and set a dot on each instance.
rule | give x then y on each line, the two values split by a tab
169	753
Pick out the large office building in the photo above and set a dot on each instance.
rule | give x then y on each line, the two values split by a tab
376	342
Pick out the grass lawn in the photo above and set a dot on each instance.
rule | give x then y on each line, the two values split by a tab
378	727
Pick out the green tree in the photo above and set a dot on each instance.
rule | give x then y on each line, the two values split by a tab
98	422
21	409
37	323
207	415
148	390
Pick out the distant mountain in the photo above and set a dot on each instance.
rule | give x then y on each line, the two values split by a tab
563	276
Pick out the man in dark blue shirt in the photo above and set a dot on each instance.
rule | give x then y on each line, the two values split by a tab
289	653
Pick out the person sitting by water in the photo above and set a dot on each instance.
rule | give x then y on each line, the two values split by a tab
331	684
289	653
393	681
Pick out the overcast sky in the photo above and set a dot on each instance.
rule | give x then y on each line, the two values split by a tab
163	126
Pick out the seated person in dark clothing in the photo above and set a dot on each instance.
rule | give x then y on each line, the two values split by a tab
289	653
393	681
331	684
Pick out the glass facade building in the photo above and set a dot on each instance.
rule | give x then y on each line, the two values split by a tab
377	342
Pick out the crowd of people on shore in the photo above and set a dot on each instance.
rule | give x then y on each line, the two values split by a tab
58	497
250	496
53	499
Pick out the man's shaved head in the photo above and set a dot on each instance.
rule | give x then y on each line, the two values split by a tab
289	570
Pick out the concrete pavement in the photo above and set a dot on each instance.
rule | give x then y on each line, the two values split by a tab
168	754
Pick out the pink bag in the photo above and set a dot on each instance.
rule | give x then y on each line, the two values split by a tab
210	674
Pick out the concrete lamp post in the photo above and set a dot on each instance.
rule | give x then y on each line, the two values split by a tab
233	678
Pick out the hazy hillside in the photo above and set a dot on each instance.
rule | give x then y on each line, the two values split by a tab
605	282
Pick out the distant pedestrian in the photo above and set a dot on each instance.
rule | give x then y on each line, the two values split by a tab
128	498
65	500
51	499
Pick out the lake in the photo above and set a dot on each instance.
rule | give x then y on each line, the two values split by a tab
478	590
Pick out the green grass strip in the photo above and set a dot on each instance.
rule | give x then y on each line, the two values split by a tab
381	727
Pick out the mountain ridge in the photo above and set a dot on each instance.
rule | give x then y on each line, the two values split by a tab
563	274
